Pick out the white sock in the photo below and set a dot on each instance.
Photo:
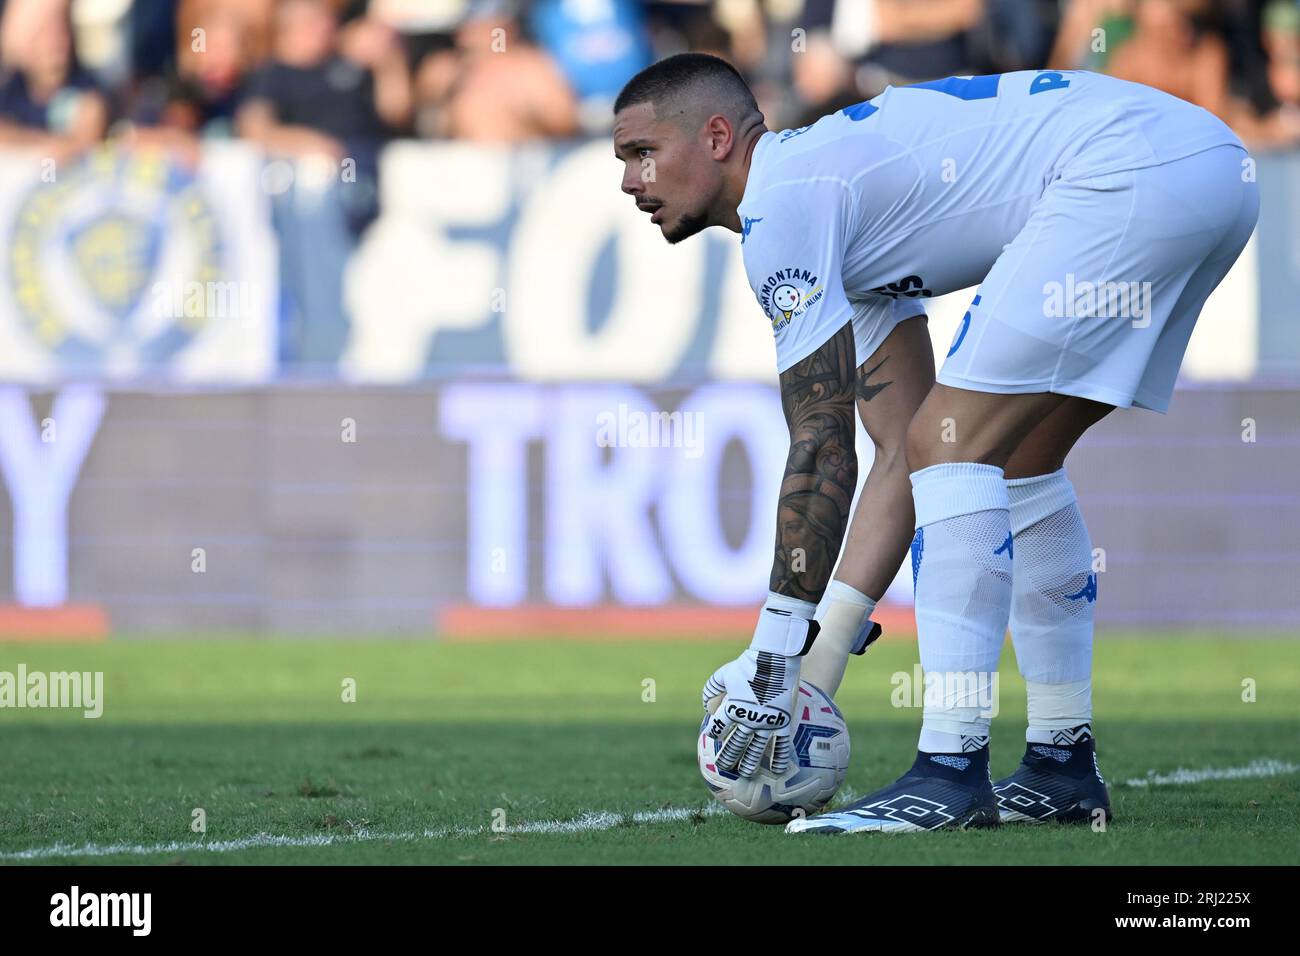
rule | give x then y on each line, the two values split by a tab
1053	603
841	614
961	569
1059	713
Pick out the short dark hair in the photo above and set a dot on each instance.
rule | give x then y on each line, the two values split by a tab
686	72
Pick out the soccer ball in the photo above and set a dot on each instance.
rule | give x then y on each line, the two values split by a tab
818	763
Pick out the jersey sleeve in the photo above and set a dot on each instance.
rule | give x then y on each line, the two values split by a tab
792	243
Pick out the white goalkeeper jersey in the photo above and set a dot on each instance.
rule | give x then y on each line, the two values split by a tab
872	209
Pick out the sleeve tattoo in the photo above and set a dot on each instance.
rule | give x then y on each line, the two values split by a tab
821	470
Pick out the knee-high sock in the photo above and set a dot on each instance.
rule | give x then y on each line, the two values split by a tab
1053	600
841	613
961	569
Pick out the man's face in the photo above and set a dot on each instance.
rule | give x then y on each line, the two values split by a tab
305	32
668	170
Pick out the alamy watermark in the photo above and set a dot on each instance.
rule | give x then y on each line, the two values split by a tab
634	428
76	690
1109	300
205	300
946	689
129	910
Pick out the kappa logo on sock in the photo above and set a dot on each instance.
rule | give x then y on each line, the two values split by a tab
1088	591
1006	546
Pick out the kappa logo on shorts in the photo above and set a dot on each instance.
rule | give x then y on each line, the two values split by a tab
787	294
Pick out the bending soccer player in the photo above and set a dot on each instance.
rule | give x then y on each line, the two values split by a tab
1097	216
687	130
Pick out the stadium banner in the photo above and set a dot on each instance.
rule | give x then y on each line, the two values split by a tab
526	263
531	263
129	266
524	508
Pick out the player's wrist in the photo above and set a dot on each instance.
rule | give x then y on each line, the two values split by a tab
785	626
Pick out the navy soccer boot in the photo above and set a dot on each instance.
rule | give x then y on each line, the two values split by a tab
941	791
1058	781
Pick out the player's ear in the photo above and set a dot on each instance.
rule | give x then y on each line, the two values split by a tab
722	136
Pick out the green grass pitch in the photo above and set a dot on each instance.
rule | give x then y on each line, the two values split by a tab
444	740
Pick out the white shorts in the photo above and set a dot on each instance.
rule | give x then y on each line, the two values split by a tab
875	317
1097	295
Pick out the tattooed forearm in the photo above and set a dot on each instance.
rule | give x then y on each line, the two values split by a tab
867	390
821	471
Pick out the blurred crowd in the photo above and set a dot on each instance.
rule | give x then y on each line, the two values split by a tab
339	77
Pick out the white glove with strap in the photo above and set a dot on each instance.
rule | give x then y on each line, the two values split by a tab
759	687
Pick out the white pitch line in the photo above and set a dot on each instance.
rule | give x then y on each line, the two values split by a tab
1267	767
587	823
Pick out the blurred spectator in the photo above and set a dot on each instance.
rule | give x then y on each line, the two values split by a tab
852	49
152	35
800	72
1241	22
210	69
676	26
599	44
1178	46
1013	35
326	93
914	40
426	27
822	79
1090	33
215	44
1281	41
322	108
493	85
329	93
47	102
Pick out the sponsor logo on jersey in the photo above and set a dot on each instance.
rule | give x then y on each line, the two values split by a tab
911	287
787	294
